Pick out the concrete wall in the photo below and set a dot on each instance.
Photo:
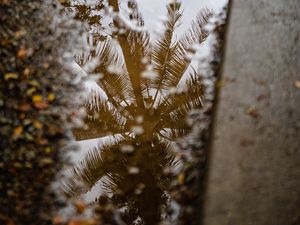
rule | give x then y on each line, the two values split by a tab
254	175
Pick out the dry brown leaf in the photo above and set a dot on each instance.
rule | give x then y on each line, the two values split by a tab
22	53
41	105
252	111
57	220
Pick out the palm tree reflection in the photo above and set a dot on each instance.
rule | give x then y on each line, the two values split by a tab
141	102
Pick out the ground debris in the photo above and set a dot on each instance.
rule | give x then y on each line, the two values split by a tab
31	116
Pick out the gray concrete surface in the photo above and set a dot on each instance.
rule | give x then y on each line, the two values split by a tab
254	167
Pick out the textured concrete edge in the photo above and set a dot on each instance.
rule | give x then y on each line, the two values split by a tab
219	72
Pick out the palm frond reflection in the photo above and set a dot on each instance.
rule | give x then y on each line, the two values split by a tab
148	94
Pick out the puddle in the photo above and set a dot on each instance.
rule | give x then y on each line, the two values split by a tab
145	68
143	61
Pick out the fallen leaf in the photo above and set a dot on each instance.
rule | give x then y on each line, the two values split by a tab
46	65
37	98
48	150
82	222
64	1
46	161
26	72
18	131
34	83
24	107
22	116
246	142
51	97
181	178
20	34
252	111
9	76
30	91
297	84
28	165
4	2
29	137
261	97
37	124
43	142
22	53
80	206
17	165
41	105
57	220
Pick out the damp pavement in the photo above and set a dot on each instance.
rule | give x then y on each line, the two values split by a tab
254	168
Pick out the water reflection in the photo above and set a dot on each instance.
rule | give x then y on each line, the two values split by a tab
138	106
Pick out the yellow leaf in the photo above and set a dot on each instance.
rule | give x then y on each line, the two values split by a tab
48	150
37	124
46	161
181	178
33	83
64	1
30	91
37	98
51	97
10	76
